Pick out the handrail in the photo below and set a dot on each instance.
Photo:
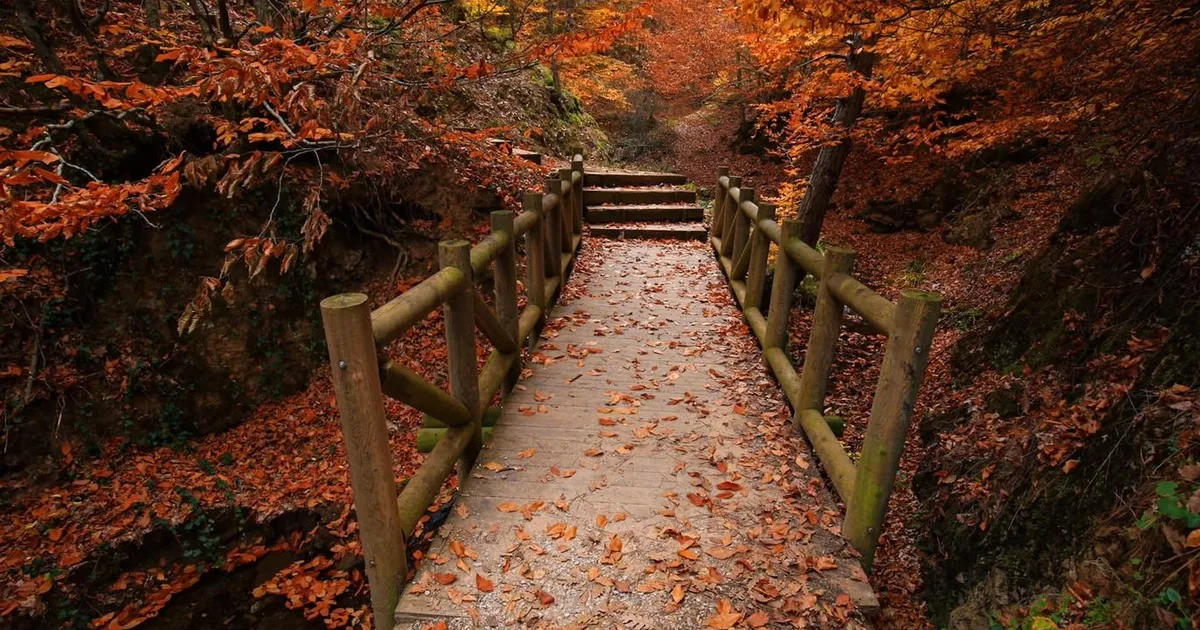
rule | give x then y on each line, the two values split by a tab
402	312
741	235
552	225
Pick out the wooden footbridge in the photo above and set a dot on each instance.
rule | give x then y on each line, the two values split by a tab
639	473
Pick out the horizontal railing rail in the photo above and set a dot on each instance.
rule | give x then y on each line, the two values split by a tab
551	223
742	233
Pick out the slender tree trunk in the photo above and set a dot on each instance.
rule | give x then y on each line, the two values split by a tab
832	157
152	13
554	81
32	28
269	15
224	23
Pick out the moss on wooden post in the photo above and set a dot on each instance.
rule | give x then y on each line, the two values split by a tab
826	325
347	320
891	411
781	290
760	248
460	346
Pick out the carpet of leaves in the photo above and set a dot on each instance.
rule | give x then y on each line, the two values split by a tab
287	456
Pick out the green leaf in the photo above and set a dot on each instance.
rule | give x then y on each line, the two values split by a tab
1166	489
1171	508
1169	596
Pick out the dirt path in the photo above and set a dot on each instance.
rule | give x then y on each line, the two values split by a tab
643	475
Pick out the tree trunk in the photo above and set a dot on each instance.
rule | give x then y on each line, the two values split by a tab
830	159
152	13
32	28
269	15
223	22
554	80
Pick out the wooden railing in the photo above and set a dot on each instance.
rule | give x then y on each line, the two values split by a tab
741	234
552	224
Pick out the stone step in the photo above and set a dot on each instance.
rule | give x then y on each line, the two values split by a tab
644	212
604	179
693	231
631	196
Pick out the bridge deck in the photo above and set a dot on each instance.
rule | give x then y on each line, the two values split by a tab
642	475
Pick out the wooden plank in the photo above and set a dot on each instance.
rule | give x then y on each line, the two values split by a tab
644	466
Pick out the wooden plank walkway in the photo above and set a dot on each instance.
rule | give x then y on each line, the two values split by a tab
643	474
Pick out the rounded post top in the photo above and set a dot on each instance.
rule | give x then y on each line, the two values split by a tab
343	300
456	253
502	220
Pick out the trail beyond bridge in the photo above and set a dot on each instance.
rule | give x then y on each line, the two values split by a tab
641	469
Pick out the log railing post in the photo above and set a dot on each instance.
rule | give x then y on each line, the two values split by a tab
826	326
719	195
760	248
535	260
741	231
567	206
554	229
730	213
460	347
891	411
577	166
781	289
347	320
505	280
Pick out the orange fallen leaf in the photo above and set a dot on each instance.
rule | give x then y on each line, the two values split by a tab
483	584
727	616
445	578
720	553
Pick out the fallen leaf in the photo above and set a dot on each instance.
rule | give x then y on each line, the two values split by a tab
483	584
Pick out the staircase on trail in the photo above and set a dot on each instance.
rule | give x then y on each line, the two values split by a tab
638	205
